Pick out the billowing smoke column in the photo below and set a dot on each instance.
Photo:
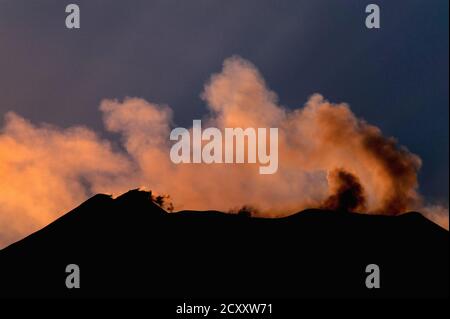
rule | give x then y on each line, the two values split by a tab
348	194
327	157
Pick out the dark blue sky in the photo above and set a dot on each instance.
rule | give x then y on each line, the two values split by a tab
164	51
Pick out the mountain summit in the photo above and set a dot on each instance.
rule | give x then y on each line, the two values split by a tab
131	247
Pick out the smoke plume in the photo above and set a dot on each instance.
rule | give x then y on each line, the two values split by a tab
327	157
348	194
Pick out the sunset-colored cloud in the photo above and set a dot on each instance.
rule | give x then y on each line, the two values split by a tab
45	170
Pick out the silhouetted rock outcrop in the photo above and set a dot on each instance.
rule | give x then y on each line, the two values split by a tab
129	246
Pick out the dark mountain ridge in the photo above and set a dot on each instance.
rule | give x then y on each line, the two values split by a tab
131	247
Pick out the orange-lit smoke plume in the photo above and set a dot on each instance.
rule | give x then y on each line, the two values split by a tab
46	171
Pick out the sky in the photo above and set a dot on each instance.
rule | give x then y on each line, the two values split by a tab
395	78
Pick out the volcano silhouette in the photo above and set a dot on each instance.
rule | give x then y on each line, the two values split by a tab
131	247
